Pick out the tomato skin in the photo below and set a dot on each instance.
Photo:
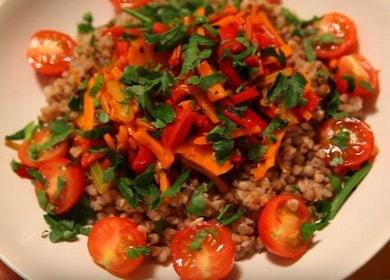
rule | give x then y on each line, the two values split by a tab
131	4
357	67
108	242
38	138
360	149
73	190
50	52
289	242
342	27
212	261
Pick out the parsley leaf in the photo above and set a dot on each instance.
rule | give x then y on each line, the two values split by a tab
367	86
59	130
168	40
341	139
164	113
290	89
223	144
224	219
197	205
326	38
337	160
98	86
207	82
309	50
279	55
308	229
350	82
61	182
175	188
86	26
198	240
192	55
256	152
275	125
24	134
135	252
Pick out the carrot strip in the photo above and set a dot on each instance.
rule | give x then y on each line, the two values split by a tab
217	91
12	145
109	140
269	158
122	138
165	156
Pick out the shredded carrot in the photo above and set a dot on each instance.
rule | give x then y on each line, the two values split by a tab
122	138
204	103
141	123
269	158
87	120
217	91
165	156
13	145
269	79
109	141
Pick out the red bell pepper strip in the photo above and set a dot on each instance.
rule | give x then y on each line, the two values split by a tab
175	134
114	31
88	159
249	120
228	70
252	61
142	160
312	101
21	170
229	31
159	28
244	96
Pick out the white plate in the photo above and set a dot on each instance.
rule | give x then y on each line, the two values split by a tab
357	233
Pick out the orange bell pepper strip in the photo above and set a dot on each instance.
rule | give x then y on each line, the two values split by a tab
165	156
162	178
141	53
204	157
269	158
87	120
117	110
217	91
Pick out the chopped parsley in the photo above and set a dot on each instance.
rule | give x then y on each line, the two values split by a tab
61	182
200	237
192	55
333	207
278	55
25	133
98	86
223	144
256	152
309	50
207	82
135	252
197	205
86	26
367	86
342	139
336	160
176	187
37	176
351	85
274	126
290	89
169	39
226	219
326	39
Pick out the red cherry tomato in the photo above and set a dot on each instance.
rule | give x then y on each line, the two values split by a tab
109	241
65	196
342	28
41	137
50	52
213	259
131	4
359	146
364	75
280	226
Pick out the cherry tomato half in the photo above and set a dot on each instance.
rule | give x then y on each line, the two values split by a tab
214	257
109	241
349	142
343	29
361	71
41	137
280	226
64	184
131	4
50	52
